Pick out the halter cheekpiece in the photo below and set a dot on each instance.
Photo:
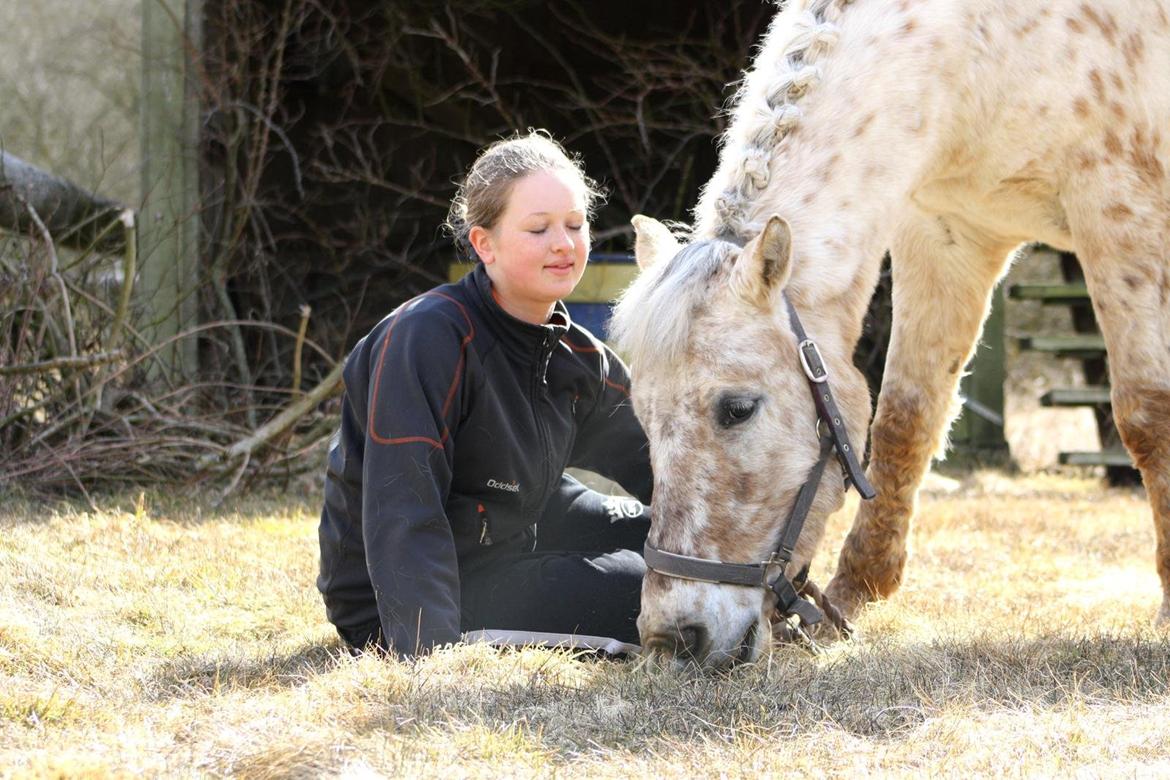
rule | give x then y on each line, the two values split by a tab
833	436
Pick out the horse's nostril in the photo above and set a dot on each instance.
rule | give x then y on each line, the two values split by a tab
689	642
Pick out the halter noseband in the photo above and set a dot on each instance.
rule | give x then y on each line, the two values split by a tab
836	437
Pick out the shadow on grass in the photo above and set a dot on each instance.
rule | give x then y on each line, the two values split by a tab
876	690
287	670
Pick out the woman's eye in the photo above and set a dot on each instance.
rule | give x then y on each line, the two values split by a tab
536	231
733	411
575	227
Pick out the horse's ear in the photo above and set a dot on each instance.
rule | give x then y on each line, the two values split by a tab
765	263
654	241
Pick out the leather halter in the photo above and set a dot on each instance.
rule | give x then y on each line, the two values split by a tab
833	437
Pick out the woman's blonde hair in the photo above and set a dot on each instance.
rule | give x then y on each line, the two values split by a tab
483	194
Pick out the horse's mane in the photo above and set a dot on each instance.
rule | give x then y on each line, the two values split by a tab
651	322
765	111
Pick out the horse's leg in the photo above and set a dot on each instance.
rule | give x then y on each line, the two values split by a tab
1125	252
943	278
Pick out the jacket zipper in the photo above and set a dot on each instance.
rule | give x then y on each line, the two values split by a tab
485	527
539	393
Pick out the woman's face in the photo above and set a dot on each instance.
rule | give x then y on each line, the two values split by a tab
536	252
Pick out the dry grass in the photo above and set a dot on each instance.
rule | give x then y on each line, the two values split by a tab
165	638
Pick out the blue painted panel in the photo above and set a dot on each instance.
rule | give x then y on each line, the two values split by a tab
594	316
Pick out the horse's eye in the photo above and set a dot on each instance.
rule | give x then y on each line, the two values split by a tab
735	410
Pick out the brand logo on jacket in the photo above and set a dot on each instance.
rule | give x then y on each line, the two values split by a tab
623	508
511	487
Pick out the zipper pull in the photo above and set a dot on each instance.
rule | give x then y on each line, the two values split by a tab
485	530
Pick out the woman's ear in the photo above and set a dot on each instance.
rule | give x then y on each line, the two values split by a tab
480	239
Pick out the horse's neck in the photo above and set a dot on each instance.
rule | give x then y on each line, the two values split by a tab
848	161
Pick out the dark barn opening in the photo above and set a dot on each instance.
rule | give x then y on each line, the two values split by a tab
334	132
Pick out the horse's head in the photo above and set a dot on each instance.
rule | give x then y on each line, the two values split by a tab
720	389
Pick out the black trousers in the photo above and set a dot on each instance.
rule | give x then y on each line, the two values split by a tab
584	577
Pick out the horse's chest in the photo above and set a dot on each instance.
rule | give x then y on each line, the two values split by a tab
1015	207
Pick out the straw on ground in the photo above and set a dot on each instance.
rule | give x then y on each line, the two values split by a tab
159	636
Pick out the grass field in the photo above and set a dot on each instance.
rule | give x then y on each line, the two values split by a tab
157	636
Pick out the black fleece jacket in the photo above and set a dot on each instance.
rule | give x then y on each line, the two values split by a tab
457	423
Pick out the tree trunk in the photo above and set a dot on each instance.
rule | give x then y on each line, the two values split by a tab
74	217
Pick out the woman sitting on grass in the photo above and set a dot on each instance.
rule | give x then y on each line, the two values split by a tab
447	508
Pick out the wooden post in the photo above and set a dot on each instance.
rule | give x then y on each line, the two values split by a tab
979	430
169	220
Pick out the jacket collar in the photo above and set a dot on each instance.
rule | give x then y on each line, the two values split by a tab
523	338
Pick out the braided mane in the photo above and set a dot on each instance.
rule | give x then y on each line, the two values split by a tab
758	129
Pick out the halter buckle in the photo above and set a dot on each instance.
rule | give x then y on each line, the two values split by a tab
812	362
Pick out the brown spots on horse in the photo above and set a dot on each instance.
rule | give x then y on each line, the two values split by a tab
1118	212
845	204
667	419
655	585
1081	107
731	541
910	26
1042	109
1104	22
808	198
874	553
1143	156
1143	420
1133	48
1112	144
955	366
1085	161
1026	28
743	487
1163	21
1097	84
1117	111
1132	282
825	172
872	170
863	125
1118	84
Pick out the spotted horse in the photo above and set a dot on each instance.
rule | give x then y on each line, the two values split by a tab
947	132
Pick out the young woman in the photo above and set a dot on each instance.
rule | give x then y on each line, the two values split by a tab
447	508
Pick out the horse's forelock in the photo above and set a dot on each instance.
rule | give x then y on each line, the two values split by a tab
651	322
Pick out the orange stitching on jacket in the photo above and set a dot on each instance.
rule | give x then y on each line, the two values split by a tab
371	416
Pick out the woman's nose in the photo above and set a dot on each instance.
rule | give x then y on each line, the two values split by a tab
563	241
